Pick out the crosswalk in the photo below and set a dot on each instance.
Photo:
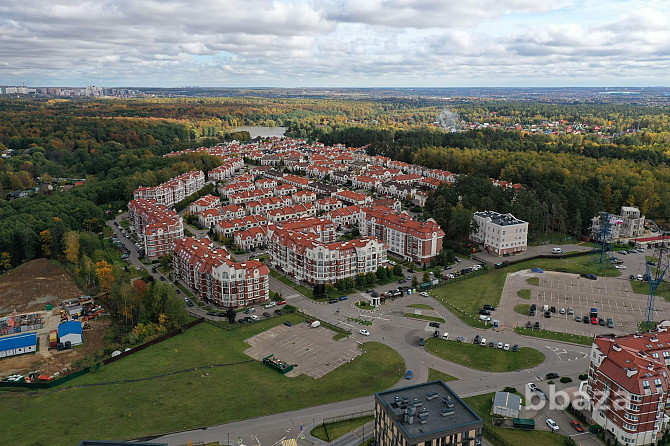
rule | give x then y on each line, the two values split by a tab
292	296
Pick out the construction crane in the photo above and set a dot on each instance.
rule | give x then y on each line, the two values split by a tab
656	268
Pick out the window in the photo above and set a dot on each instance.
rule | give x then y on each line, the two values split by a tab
629	427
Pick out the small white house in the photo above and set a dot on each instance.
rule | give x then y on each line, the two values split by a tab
18	344
70	331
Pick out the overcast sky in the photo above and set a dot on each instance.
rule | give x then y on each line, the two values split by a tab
337	43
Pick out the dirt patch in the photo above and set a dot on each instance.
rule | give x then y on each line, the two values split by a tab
53	361
34	284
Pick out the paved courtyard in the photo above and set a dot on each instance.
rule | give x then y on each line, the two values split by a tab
312	350
613	297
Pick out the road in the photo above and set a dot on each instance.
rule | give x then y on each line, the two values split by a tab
389	327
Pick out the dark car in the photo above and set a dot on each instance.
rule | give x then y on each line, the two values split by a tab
402	281
485	312
266	314
547	314
492	344
490	307
369	290
343	297
531	313
533	307
277	311
422	342
162	279
436	334
211	313
585	319
515	348
410	270
434	324
288	323
552	375
476	340
601	321
189	303
529	324
177	290
631	277
333	301
537	325
221	314
241	321
553	309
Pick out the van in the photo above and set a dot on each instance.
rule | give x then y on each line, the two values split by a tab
556	251
545	308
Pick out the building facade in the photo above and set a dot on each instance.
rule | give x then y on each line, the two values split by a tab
427	414
628	383
156	225
500	234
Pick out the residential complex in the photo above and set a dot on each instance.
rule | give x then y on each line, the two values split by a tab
208	269
628	384
500	234
629	224
426	414
173	190
157	226
408	238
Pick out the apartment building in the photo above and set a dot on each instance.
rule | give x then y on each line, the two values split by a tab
345	216
426	414
288	213
328	204
633	222
628	384
250	195
251	238
228	228
207	269
204	203
351	197
156	225
322	228
410	239
262	206
226	170
303	196
500	234
173	190
306	258
236	187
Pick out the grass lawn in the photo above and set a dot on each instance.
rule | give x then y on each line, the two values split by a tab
274	273
339	428
663	289
437	375
524	294
465	297
483	357
522	309
533	281
423	306
424	317
184	290
545	334
242	389
482	405
364	305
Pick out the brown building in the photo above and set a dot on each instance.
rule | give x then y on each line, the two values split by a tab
427	414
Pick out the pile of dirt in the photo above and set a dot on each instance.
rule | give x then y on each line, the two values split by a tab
34	284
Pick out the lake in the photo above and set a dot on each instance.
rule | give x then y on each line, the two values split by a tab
263	132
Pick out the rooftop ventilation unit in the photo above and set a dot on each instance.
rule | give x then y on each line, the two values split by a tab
616	347
446	411
431	396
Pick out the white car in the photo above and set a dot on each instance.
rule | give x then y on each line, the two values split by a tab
254	317
391	262
483	342
364	332
485	318
270	305
620	266
639	277
552	424
500	345
424	294
532	387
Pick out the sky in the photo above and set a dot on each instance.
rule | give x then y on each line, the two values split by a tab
337	43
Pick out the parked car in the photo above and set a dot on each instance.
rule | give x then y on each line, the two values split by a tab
434	324
620	266
491	307
460	339
266	314
483	342
639	277
369	290
343	297
333	301
250	310
547	314
562	311
402	281
610	323
506	347
515	348
552	424
552	375
537	325
408	375
288	323
571	310
269	305
476	340
500	345
424	294
485	312
254	317
578	318
484	318
529	324
422	342
601	321
283	302
277	311
364	332
631	277
578	427
532	387
594	321
410	270
585	319
553	309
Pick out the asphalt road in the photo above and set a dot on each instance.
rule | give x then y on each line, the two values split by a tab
393	329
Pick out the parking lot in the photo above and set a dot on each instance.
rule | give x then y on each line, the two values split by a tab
613	297
312	350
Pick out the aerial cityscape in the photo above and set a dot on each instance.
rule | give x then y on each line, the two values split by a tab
297	223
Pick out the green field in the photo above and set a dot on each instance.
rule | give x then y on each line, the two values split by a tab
524	294
556	336
663	289
434	375
522	309
484	358
339	428
421	306
465	297
535	281
239	389
424	317
482	405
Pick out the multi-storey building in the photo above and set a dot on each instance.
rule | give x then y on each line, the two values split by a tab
251	238
345	216
306	258
156	225
629	224
173	190
351	197
288	213
426	414
236	187
322	228
500	234
226	170
207	269
204	203
410	239
628	386
250	195
228	228
303	196
328	204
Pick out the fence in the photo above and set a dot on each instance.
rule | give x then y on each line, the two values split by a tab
327	421
80	372
497	440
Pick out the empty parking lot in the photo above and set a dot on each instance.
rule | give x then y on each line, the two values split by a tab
613	297
312	350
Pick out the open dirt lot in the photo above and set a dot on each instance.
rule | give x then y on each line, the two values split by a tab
52	361
613	297
312	349
34	284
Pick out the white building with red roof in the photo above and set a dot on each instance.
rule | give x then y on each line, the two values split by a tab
328	204
207	269
351	197
251	195
288	213
345	216
628	386
251	238
204	203
156	225
173	190
410	239
303	196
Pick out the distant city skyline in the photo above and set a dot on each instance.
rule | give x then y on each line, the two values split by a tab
338	43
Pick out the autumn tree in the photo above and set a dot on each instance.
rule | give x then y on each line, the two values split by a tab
5	261
46	243
72	247
103	271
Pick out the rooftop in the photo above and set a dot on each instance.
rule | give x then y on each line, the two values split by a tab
435	406
500	219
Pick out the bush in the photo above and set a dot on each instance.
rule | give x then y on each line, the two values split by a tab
289	309
566	379
583	377
510	389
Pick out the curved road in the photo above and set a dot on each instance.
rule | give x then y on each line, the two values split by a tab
389	327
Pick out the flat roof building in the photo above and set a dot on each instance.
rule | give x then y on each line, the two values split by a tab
426	414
